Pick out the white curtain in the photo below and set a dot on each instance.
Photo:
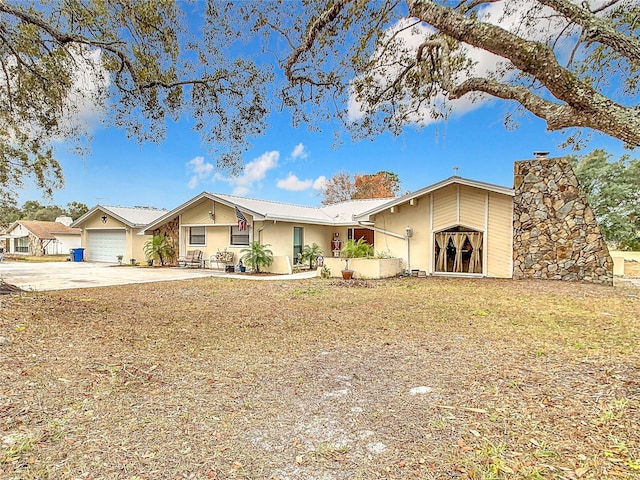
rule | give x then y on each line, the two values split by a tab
458	242
476	242
442	239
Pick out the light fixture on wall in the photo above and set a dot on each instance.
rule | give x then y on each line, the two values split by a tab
212	215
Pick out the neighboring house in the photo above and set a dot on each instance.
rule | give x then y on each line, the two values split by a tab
33	237
541	228
210	222
111	232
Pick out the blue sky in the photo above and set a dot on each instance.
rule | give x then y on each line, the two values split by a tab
289	164
121	172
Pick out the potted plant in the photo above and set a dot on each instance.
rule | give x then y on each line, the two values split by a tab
119	257
354	249
310	253
257	255
157	248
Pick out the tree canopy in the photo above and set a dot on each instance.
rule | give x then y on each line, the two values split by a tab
612	189
133	64
572	64
34	210
342	187
376	66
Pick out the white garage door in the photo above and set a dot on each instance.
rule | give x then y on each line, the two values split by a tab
105	245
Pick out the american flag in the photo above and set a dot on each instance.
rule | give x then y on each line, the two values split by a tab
242	221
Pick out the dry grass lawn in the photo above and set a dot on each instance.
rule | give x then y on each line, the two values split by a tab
305	380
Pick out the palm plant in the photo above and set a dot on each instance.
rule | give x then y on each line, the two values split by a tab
257	255
158	247
356	249
310	253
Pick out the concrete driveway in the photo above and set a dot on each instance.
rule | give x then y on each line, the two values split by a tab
64	275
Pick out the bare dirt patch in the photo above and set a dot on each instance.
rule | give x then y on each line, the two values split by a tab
409	378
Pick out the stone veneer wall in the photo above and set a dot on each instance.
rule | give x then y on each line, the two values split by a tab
171	230
555	233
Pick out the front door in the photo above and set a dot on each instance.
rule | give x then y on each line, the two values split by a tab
365	233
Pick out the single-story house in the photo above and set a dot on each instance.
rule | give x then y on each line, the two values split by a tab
213	223
34	237
540	228
113	234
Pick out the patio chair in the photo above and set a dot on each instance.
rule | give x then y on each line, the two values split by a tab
193	258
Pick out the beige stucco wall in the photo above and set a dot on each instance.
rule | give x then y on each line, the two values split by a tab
217	231
281	265
366	268
280	236
415	216
136	243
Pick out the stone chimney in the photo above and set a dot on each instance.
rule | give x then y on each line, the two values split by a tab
555	233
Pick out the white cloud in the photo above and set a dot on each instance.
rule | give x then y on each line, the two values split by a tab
200	169
252	173
299	152
320	183
293	183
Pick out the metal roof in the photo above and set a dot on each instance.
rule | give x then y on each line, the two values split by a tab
337	214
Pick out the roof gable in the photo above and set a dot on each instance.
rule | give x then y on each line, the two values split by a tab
134	217
437	186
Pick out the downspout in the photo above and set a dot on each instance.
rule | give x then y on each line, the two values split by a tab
381	230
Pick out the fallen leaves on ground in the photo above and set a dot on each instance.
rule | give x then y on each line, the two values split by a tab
224	378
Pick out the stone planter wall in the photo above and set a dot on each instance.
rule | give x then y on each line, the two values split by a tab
555	233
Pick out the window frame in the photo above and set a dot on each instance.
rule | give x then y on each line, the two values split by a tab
238	234
21	245
192	236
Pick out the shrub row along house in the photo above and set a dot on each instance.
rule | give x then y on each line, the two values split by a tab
541	228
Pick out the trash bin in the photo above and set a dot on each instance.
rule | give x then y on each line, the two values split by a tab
78	254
